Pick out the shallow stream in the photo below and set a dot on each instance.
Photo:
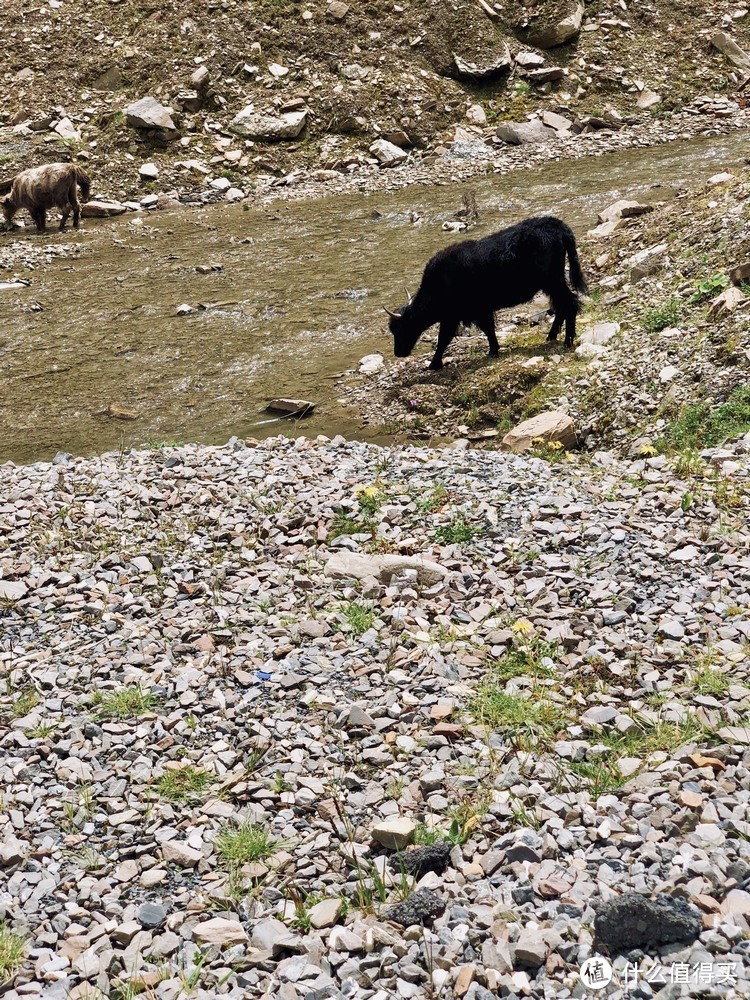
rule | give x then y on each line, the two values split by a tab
297	300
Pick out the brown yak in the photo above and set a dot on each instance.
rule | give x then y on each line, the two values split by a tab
42	188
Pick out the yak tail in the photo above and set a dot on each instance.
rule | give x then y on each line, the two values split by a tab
84	183
576	274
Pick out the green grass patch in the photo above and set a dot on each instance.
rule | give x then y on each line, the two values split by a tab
433	499
661	317
239	845
183	784
711	682
709	288
533	719
127	703
371	500
423	836
598	777
646	738
456	531
701	425
12	951
345	525
530	660
357	616
25	702
41	732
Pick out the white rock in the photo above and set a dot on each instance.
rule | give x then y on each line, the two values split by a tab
326	912
371	363
358	566
394	833
552	425
149	113
388	154
261	125
218	930
66	130
476	114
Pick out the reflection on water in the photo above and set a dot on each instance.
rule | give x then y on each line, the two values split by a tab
294	299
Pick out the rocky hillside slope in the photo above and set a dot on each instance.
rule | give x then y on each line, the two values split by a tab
333	78
321	720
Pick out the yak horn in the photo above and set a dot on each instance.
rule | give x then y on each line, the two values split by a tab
393	315
408	296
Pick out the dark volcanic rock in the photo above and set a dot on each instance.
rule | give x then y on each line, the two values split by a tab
433	858
420	907
634	921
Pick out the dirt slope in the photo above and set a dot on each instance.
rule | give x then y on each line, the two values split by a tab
362	71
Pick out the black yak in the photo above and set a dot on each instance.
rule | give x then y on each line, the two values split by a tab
42	188
467	282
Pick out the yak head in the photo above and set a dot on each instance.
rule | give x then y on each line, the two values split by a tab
405	328
9	209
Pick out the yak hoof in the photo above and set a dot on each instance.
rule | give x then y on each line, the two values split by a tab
494	352
435	366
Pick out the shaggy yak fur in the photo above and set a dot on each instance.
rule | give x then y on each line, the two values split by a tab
467	282
42	188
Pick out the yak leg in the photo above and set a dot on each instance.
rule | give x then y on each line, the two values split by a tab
565	304
39	217
445	336
570	324
487	326
556	324
65	214
75	203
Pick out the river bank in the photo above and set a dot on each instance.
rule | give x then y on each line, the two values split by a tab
662	341
211	727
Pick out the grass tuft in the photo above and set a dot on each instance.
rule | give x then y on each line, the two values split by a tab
711	682
699	425
127	703
458	530
12	951
358	617
239	845
183	784
660	318
25	702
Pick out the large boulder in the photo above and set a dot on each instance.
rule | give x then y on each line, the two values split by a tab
635	921
265	127
149	113
525	133
550	426
387	153
486	70
101	209
624	209
358	566
729	48
556	31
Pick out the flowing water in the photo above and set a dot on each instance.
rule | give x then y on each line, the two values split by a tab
297	301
